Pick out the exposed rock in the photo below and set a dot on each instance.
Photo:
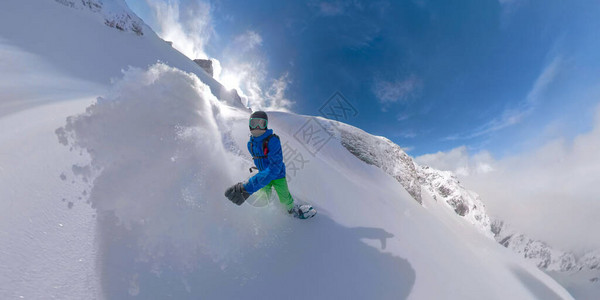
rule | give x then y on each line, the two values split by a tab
124	22
117	16
591	260
384	154
93	5
206	65
444	186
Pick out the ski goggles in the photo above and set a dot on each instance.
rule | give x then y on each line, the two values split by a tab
258	123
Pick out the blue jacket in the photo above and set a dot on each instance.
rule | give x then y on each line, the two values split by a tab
271	167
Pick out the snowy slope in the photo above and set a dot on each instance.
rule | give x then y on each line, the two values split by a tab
93	40
114	14
371	239
142	172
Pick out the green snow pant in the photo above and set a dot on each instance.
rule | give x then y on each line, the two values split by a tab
281	188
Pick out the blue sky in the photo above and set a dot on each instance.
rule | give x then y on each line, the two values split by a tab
502	76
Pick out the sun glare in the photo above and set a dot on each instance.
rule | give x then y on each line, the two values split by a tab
230	81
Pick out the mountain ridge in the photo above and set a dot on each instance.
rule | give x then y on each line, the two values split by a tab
445	187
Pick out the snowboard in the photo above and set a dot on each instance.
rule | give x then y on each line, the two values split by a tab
300	211
303	211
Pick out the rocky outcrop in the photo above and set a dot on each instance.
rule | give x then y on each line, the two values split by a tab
544	256
443	186
235	99
591	260
384	154
124	22
115	13
206	65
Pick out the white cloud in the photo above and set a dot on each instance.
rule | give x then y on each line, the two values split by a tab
550	193
276	94
188	25
329	9
515	115
505	3
247	41
508	9
459	161
403	116
406	133
395	91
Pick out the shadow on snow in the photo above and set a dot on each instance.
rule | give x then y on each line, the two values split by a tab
316	258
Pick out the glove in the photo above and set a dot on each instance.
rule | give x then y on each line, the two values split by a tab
237	194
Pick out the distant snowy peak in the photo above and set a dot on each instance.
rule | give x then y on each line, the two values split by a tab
591	260
539	252
115	13
543	255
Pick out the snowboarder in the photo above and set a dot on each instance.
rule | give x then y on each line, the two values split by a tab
265	148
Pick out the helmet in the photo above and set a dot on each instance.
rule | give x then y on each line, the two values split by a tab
258	120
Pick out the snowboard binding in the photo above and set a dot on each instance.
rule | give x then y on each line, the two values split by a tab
304	211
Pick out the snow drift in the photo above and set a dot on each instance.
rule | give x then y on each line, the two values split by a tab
158	165
158	169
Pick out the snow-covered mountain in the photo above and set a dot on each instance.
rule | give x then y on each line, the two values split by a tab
539	252
442	186
445	188
114	14
579	273
121	196
107	33
543	255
